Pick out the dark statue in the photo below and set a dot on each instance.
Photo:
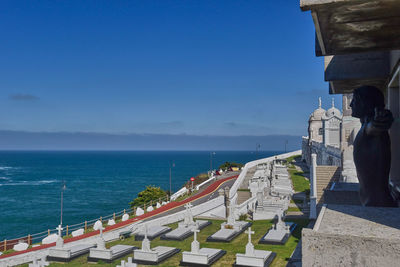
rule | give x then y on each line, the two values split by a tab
372	154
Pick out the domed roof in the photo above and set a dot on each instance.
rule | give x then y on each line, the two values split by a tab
333	111
318	113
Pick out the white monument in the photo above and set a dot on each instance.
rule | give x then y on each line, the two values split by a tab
230	229
146	255
254	257
64	254
197	255
60	240
139	211
125	217
280	233
108	255
185	228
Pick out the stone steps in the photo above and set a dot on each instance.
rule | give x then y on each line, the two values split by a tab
326	175
243	196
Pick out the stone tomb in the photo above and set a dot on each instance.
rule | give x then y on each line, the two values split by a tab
200	256
185	228
279	234
254	257
65	254
230	229
152	256
108	255
152	232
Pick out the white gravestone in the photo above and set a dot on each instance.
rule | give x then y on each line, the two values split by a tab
21	246
188	220
125	217
139	211
232	217
195	246
97	225
50	239
146	241
249	246
60	240
101	243
78	232
111	222
254	257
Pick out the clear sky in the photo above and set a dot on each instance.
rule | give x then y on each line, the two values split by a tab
165	67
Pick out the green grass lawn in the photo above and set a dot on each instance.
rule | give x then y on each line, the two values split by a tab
300	183
236	246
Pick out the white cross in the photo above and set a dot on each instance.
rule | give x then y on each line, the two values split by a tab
250	233
59	228
195	231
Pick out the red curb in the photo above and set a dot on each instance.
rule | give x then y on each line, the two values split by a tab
211	188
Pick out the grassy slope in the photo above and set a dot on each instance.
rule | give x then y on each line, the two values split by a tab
236	246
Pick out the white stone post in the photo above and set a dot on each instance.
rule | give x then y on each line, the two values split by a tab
313	187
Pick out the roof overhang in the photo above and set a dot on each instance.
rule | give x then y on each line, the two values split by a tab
348	72
354	26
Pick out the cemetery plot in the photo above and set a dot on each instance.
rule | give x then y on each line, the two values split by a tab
278	236
152	232
155	256
111	254
254	257
147	255
200	256
68	254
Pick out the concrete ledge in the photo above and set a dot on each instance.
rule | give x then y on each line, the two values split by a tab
353	236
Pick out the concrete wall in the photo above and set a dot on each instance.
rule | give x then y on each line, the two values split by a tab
321	249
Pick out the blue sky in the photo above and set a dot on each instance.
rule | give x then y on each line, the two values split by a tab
163	67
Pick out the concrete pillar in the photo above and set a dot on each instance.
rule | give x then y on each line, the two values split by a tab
227	201
313	187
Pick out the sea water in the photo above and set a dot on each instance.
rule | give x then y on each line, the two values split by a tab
97	183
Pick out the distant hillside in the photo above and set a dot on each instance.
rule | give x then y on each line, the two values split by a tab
18	140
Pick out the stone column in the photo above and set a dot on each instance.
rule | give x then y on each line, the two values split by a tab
313	187
227	201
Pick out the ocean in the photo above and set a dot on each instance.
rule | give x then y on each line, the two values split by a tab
98	183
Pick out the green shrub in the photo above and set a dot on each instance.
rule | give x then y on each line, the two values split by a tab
151	193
